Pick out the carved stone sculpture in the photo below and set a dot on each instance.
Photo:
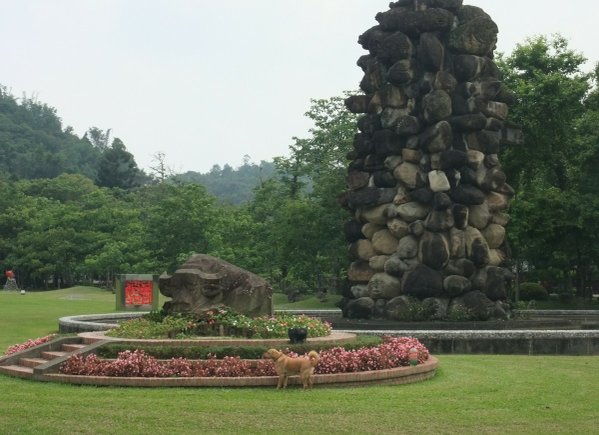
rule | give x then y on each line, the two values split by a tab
425	185
204	282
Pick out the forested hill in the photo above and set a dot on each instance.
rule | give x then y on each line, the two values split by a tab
232	186
33	143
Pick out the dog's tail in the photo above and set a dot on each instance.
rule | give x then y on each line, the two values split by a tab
313	357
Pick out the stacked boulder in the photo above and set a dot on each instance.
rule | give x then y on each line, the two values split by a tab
425	184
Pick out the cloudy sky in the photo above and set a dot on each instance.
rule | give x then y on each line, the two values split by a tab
209	81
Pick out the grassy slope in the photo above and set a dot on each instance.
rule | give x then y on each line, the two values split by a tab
470	394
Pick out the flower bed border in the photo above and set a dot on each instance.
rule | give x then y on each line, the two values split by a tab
399	375
333	337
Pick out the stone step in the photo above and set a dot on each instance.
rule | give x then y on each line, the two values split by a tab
71	347
32	362
16	370
53	354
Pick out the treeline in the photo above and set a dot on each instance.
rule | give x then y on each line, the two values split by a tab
229	185
76	228
72	226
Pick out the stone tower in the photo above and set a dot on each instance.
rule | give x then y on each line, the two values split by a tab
425	184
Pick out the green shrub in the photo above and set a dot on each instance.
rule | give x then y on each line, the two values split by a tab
533	290
217	322
244	352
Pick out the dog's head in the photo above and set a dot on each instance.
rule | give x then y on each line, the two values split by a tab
272	354
313	357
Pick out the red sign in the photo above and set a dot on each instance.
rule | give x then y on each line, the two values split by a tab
138	292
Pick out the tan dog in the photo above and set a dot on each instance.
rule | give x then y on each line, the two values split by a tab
286	366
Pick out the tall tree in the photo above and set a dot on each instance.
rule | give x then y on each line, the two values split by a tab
550	230
117	168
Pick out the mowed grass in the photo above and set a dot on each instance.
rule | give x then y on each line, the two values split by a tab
471	394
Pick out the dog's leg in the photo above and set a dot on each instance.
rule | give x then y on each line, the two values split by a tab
280	383
285	377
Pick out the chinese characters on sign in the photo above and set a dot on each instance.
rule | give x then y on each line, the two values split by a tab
138	292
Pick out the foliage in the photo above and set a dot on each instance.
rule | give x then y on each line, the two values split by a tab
460	313
34	144
532	291
28	344
176	219
393	352
229	185
117	168
554	213
180	326
297	217
249	351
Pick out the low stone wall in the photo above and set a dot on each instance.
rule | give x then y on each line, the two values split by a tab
502	340
527	342
399	375
94	322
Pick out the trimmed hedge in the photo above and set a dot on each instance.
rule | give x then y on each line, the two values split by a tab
244	352
533	290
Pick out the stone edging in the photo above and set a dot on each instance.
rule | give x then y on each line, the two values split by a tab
334	337
399	375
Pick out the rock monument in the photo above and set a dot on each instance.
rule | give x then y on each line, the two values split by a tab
425	184
204	282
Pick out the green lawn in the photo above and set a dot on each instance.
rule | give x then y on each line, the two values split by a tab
306	303
470	394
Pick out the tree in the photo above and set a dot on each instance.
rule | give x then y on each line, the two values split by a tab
98	138
34	145
547	79
160	170
177	219
553	221
117	168
299	218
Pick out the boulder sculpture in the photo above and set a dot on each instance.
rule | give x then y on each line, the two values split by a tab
204	282
425	185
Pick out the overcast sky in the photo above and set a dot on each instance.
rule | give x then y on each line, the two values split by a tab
209	81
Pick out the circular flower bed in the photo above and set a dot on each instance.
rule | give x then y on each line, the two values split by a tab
217	322
392	353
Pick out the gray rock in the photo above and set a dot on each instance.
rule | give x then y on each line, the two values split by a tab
455	285
434	250
438	181
436	106
204	282
423	282
384	286
467	195
361	308
437	307
410	175
437	138
412	211
362	250
397	227
439	220
479	216
384	242
407	247
460	266
416	228
400	308
359	291
377	263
